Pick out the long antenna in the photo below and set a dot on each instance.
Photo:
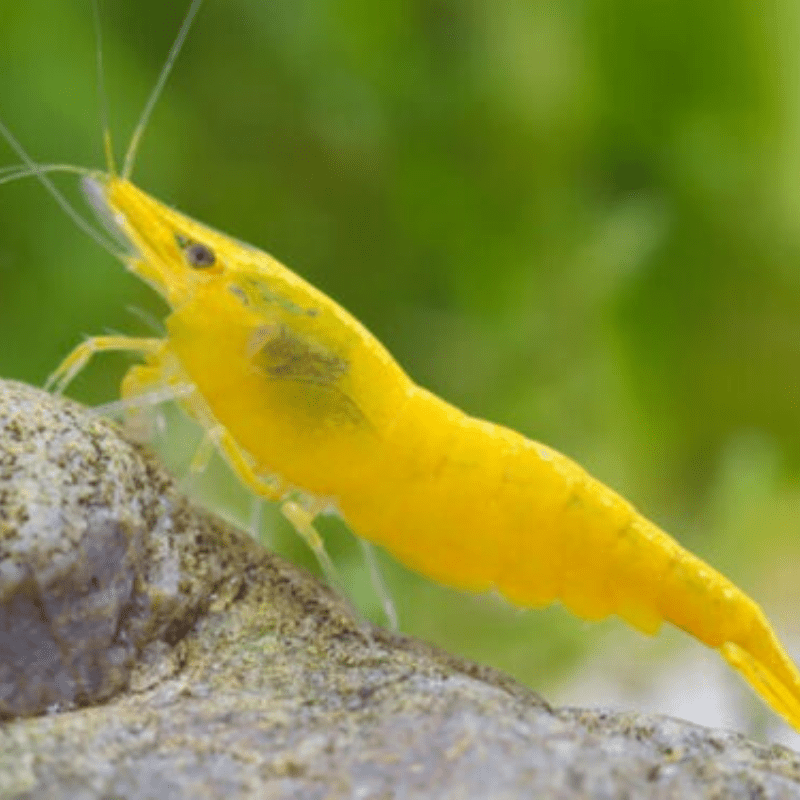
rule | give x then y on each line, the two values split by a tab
130	156
32	168
16	172
102	97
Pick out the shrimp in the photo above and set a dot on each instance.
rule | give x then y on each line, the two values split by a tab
312	412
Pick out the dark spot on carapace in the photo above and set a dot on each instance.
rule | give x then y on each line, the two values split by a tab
287	355
262	294
239	294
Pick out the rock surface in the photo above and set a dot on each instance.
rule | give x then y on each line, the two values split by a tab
149	650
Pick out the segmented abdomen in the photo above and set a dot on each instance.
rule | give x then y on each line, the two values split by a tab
478	506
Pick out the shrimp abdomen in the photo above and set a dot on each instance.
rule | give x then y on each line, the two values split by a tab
478	506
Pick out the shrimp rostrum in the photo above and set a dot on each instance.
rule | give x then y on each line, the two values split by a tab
305	403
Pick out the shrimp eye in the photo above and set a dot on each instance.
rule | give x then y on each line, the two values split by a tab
197	254
200	256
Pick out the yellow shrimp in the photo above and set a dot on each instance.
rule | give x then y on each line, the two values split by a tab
313	412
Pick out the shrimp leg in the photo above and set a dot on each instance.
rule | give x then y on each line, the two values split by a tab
80	356
300	518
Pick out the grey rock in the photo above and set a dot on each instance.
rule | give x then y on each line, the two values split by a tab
149	650
99	555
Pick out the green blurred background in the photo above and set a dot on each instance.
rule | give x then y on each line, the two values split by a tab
580	219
